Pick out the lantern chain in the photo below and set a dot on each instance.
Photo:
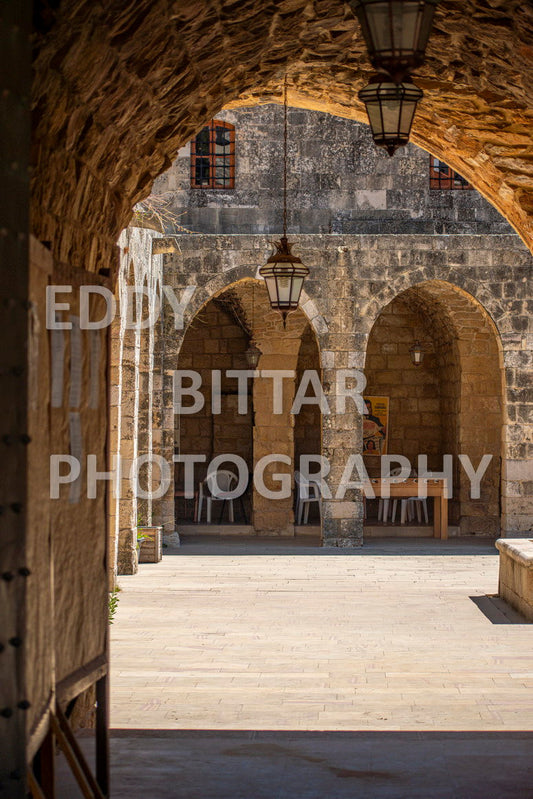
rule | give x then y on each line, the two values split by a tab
285	138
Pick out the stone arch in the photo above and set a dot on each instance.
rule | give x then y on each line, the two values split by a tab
273	430
114	103
455	402
228	277
308	421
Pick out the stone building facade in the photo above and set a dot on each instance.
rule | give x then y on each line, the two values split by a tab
337	182
391	261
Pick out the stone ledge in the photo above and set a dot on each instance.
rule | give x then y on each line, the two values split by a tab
516	574
519	549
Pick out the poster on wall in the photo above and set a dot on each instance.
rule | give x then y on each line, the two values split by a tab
376	425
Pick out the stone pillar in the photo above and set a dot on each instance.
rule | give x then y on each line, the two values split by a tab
517	472
132	387
165	419
342	346
273	434
342	524
126	510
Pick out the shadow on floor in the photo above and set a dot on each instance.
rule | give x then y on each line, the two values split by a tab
304	545
498	611
197	764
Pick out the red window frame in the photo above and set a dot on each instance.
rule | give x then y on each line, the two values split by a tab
442	176
213	162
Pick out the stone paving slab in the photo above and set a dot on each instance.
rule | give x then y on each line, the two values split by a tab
202	764
254	670
260	635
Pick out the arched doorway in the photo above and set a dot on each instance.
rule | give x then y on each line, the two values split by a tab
308	419
452	403
254	422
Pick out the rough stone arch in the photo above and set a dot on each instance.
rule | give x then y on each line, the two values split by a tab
280	350
228	277
468	355
115	100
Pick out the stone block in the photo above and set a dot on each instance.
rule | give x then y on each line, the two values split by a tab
519	470
516	574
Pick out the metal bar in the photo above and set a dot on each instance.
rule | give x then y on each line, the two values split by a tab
285	138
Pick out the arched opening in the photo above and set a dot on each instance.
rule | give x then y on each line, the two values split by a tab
452	404
246	415
111	138
214	344
116	93
308	420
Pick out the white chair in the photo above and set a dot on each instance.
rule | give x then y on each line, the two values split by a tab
215	488
308	491
408	504
383	504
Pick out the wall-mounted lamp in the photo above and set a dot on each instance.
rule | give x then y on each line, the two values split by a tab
417	353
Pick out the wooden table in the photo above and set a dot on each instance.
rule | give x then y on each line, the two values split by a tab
431	487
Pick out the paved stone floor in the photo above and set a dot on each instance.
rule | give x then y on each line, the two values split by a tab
246	670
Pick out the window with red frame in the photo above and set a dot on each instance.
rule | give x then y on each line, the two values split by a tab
442	176
213	157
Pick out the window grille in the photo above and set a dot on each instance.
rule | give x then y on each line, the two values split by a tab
442	176
213	157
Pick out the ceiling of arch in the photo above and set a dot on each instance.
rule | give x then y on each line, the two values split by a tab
450	311
120	86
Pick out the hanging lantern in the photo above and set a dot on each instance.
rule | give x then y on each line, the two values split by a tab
284	275
396	32
390	108
417	353
252	355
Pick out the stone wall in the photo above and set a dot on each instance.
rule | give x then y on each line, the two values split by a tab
414	392
458	293
466	280
338	182
136	405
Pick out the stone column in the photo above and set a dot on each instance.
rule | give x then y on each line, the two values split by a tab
342	515
342	360
517	473
273	434
132	390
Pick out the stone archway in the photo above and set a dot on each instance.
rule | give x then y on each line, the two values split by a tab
117	93
454	402
308	420
118	88
216	338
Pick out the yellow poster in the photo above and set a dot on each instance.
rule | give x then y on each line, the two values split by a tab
375	425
